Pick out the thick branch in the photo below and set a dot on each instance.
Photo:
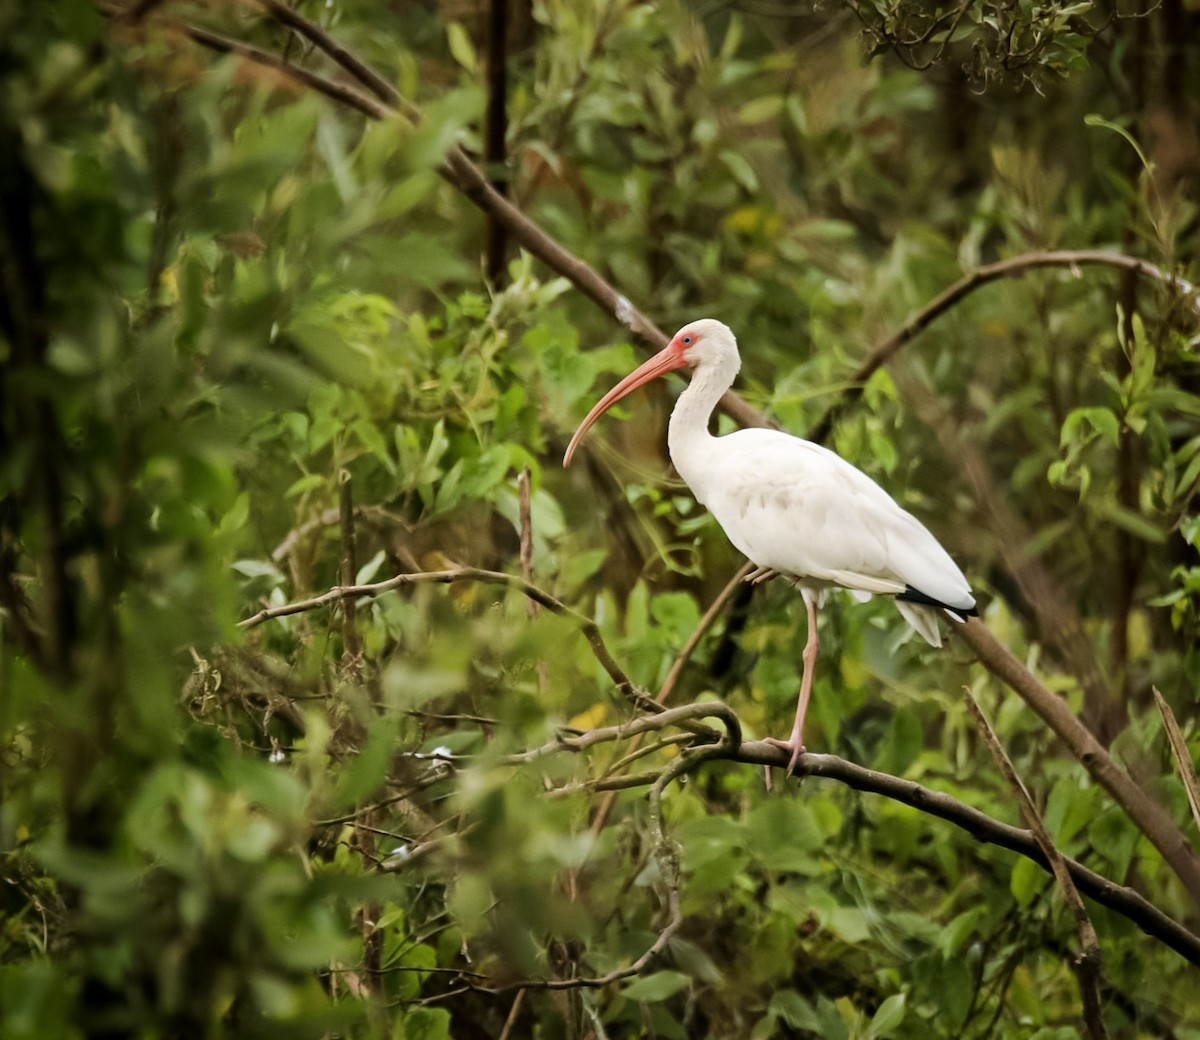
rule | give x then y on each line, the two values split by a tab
979	825
982	828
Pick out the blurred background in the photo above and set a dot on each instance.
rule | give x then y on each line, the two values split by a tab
253	345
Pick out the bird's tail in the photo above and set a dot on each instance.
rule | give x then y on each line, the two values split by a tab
923	618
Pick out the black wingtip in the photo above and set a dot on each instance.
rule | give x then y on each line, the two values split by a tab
911	595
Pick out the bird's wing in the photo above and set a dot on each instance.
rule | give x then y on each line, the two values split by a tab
797	507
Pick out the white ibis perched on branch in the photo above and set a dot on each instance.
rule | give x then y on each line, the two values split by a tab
793	507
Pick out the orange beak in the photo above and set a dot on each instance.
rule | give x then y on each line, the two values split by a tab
669	359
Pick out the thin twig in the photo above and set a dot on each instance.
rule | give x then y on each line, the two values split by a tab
351	653
525	517
706	622
1088	964
1149	817
513	1012
1183	758
641	724
349	61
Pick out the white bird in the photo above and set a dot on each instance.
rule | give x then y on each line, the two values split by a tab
794	507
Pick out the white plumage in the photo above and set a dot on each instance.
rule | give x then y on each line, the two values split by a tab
793	506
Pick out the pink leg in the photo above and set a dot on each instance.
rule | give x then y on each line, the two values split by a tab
795	742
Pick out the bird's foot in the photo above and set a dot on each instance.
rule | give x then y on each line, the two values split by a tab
793	745
761	574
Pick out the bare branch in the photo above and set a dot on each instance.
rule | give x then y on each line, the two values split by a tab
1059	625
349	61
1088	964
586	625
983	828
949	297
668	686
525	514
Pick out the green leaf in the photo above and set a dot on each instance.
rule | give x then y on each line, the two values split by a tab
1026	880
363	773
366	573
848	923
889	1016
782	834
793	1009
742	171
760	109
656	987
423	1024
1103	420
308	482
461	47
960	929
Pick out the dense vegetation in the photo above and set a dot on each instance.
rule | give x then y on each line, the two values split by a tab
266	331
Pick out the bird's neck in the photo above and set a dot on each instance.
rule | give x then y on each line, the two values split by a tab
688	439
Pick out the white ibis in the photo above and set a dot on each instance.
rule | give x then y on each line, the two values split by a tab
794	507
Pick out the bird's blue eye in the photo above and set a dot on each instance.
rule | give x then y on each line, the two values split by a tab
687	339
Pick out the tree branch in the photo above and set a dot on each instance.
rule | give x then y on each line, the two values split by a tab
966	285
983	828
339	92
1088	964
1059	625
586	625
457	168
352	654
635	727
1183	757
1149	817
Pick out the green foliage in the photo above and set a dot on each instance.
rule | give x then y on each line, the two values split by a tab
230	307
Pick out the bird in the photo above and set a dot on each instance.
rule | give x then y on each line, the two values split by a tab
793	507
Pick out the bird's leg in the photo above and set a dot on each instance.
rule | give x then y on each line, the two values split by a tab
760	574
795	742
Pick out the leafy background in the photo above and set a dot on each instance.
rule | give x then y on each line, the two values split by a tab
236	313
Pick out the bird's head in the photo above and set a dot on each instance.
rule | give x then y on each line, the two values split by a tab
702	343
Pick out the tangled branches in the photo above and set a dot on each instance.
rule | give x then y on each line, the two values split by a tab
698	744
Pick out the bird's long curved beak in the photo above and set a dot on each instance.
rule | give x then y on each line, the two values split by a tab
666	360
